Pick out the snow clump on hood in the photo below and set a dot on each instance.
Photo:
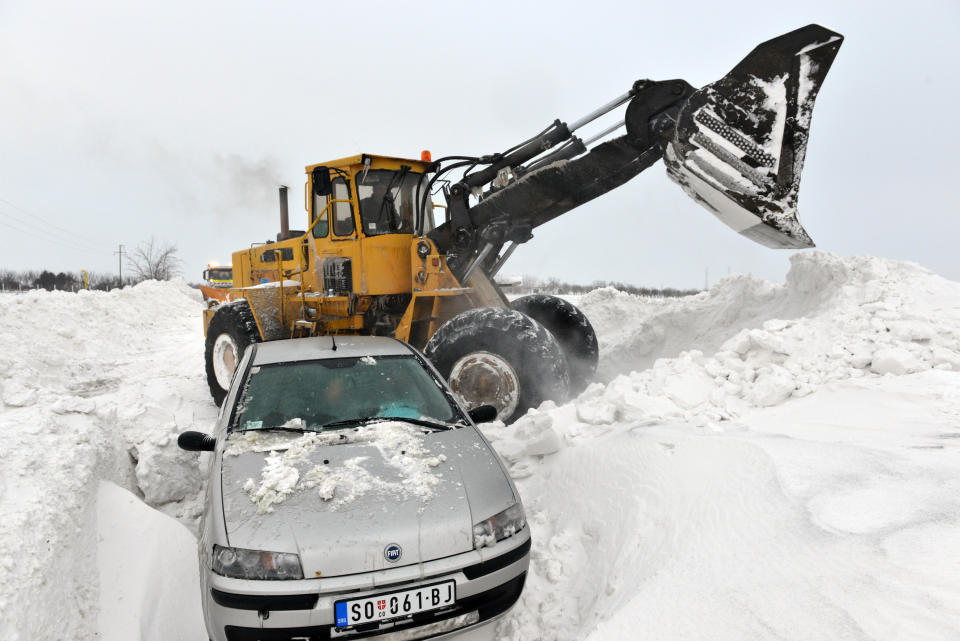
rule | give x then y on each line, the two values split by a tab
288	466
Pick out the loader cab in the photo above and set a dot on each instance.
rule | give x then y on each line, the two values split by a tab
362	219
374	195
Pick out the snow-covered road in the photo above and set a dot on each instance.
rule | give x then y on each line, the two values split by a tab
759	461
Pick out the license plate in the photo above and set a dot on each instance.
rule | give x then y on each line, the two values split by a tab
393	605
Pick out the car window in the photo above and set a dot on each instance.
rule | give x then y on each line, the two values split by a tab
309	394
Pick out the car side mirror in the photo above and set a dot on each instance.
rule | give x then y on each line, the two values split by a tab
483	414
196	442
321	181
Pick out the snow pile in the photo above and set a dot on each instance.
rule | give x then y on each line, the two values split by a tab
135	545
834	319
793	476
830	516
285	471
94	385
756	462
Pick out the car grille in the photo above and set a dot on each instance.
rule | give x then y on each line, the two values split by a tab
265	603
497	563
487	605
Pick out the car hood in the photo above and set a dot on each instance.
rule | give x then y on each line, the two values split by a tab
340	499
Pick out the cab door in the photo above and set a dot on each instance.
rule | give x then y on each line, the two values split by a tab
333	239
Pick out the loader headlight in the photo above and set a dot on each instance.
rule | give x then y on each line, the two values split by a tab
499	526
256	564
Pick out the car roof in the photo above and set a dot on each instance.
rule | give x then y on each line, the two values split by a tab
321	347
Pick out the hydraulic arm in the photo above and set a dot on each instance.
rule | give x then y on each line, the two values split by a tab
736	146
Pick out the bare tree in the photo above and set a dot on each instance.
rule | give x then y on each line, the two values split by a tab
154	261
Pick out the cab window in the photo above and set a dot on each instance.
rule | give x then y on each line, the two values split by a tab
388	201
270	256
343	211
322	227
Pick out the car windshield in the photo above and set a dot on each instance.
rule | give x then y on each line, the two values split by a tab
309	395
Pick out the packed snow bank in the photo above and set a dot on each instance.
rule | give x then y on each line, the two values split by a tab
747	343
868	296
94	385
833	516
791	476
147	591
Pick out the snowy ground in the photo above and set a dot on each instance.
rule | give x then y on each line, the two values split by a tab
757	462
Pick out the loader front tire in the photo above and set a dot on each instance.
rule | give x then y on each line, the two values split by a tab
231	330
500	357
571	329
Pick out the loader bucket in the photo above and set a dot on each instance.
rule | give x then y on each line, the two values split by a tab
739	143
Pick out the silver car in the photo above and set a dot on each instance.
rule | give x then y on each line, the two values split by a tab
350	496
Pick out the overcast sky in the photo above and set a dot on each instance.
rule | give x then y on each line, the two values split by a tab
178	120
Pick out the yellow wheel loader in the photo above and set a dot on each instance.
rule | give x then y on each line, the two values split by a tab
379	257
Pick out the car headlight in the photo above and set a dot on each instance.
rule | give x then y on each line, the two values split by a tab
499	526
256	564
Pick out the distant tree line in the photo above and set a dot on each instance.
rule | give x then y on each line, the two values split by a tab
150	260
533	285
12	280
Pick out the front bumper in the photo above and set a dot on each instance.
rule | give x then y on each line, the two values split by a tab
487	586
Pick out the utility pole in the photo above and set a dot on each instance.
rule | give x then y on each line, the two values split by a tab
120	254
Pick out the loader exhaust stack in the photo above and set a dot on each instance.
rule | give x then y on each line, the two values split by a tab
284	214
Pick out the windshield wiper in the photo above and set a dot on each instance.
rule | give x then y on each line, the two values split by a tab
351	421
389	202
437	425
278	428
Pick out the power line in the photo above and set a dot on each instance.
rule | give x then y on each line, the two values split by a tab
46	235
20	220
50	238
46	231
43	220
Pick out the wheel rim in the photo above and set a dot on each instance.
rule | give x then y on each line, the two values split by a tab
225	358
484	378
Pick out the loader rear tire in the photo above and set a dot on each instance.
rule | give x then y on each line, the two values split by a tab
571	329
231	330
500	357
